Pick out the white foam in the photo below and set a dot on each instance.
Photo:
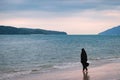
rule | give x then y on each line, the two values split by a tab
66	65
13	74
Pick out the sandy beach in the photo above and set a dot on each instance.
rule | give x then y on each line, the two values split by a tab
109	71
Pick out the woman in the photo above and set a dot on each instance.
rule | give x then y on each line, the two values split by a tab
84	60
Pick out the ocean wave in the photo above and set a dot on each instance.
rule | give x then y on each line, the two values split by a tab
67	65
13	74
105	58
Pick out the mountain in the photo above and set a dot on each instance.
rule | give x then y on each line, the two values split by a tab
14	30
112	31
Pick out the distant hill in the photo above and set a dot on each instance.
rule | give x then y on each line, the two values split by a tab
112	31
14	30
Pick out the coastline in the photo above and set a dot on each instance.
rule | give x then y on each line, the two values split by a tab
110	71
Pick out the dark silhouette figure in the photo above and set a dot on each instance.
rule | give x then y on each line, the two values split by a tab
86	76
84	60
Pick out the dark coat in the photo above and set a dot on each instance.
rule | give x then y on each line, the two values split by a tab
83	56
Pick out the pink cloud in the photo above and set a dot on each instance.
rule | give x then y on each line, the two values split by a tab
86	22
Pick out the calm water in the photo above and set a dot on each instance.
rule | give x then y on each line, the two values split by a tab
22	54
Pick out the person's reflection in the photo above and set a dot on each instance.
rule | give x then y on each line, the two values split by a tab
86	76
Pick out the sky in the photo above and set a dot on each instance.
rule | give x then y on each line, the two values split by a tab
71	16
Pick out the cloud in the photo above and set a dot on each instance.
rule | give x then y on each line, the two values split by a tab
57	5
72	16
85	22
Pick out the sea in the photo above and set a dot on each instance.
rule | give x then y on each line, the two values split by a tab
32	54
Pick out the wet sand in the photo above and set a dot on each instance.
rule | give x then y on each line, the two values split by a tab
109	71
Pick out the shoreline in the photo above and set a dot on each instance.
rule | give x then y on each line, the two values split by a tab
108	71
